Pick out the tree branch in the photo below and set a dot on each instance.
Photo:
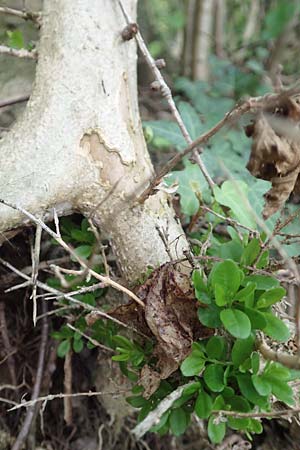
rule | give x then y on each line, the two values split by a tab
19	53
26	15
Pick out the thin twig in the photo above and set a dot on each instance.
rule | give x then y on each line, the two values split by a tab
51	397
154	416
64	245
14	100
35	269
19	53
167	94
258	415
26	15
25	429
90	339
77	303
68	408
291	361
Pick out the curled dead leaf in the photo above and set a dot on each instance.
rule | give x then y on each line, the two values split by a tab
275	151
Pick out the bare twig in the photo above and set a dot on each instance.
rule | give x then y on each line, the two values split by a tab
291	361
108	281
13	101
35	269
19	53
77	303
51	397
26	15
252	104
91	340
6	344
68	409
18	444
154	416
167	94
259	415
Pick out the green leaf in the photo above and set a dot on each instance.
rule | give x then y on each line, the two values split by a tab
192	388
247	390
78	345
178	421
193	364
240	404
255	426
63	348
241	350
220	295
214	377
203	405
283	392
216	347
123	342
216	430
137	401
121	357
255	362
236	322
163	421
270	297
83	251
226	276
276	328
251	252
246	294
263	282
257	319
16	39
210	316
261	384
263	260
234	194
201	290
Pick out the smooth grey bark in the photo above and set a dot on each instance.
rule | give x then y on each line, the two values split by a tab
202	39
79	145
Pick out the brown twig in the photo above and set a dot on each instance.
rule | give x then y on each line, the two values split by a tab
90	339
108	281
68	408
14	100
6	344
291	361
26	15
51	397
19	53
25	429
167	94
35	269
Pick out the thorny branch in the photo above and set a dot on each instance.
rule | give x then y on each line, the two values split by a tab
167	94
19	53
26	15
108	281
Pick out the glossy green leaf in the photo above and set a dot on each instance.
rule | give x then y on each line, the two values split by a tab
214	377
270	297
276	328
246	293
236	322
257	319
203	405
216	347
201	290
241	350
216	430
63	348
249	392
210	316
255	362
178	421
263	282
78	345
193	364
261	384
250	252
225	275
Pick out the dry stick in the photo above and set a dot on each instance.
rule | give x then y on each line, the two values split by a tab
167	94
19	442
13	101
63	244
90	339
35	269
154	416
26	15
259	415
19	53
290	361
7	345
68	409
51	397
241	108
76	302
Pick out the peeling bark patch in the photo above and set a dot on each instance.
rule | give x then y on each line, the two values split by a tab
107	159
170	316
275	151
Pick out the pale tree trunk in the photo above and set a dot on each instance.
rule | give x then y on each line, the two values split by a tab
220	35
252	22
79	145
189	34
202	39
